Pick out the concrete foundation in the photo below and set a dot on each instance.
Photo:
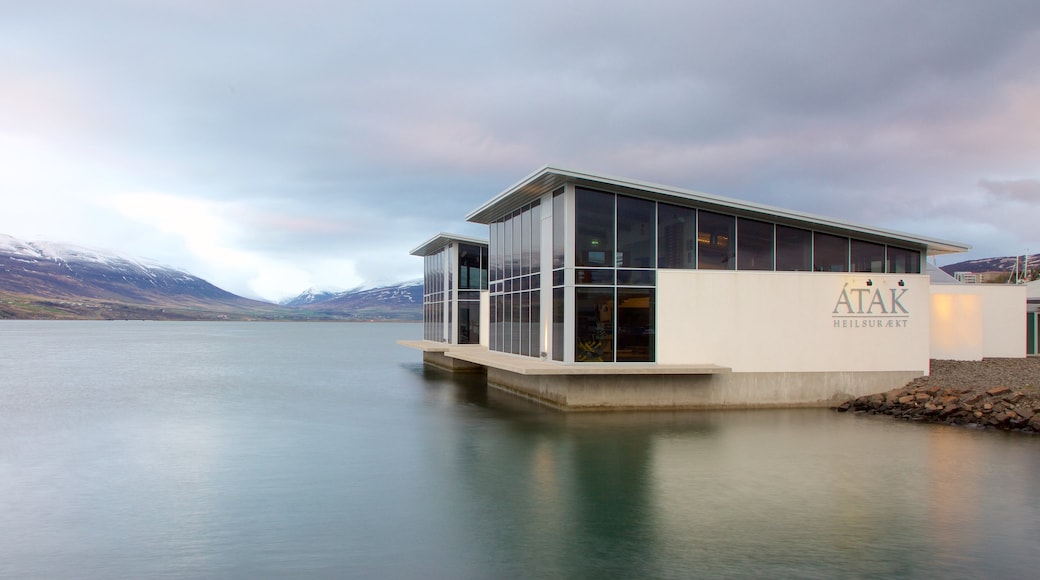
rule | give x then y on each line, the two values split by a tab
649	386
707	391
455	365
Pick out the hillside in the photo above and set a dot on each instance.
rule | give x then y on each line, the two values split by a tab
394	302
58	281
1031	265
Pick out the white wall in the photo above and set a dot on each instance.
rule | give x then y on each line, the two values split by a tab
793	321
957	325
1002	327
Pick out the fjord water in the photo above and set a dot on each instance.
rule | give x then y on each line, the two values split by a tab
196	450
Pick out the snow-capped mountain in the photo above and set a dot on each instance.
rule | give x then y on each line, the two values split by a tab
49	280
401	301
311	296
73	280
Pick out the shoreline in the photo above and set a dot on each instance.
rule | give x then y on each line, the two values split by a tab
996	393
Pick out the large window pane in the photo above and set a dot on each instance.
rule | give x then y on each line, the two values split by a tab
635	324
715	244
594	228
793	249
754	245
830	253
903	261
594	324
470	267
497	269
536	238
676	237
507	248
469	322
536	317
522	323
496	316
525	242
559	229
635	232
866	256
557	326
517	248
484	265
517	342
594	276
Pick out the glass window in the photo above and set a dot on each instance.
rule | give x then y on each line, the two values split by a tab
594	276
557	324
522	323
635	277
536	239
903	261
866	256
516	249
594	324
483	268
525	242
559	229
535	322
557	278
830	253
793	249
506	329
492	250
469	322
635	324
676	237
635	233
471	275
594	228
507	248
715	243
754	245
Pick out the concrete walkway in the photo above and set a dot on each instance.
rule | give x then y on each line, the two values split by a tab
524	365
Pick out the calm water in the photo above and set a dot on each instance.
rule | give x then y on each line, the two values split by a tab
244	450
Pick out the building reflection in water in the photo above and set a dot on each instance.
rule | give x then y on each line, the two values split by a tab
656	494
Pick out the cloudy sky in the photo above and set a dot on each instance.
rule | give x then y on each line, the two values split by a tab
272	146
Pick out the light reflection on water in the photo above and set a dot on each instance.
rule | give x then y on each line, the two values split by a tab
326	450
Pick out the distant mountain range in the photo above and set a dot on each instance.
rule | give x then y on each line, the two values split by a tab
1029	266
396	301
40	280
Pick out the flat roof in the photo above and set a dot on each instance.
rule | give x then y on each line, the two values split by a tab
438	242
550	178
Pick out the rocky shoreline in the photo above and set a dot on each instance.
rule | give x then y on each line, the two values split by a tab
992	393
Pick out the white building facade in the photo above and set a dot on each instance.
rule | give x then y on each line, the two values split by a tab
632	295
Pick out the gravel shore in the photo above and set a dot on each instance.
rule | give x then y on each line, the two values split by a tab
1001	393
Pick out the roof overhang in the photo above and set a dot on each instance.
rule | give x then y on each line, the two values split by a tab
441	240
550	178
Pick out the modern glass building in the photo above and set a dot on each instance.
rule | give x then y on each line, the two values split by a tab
455	272
585	252
591	276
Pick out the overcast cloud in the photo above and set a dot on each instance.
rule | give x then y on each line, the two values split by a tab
274	146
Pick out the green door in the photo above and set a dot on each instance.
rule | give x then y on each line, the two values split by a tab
1031	332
